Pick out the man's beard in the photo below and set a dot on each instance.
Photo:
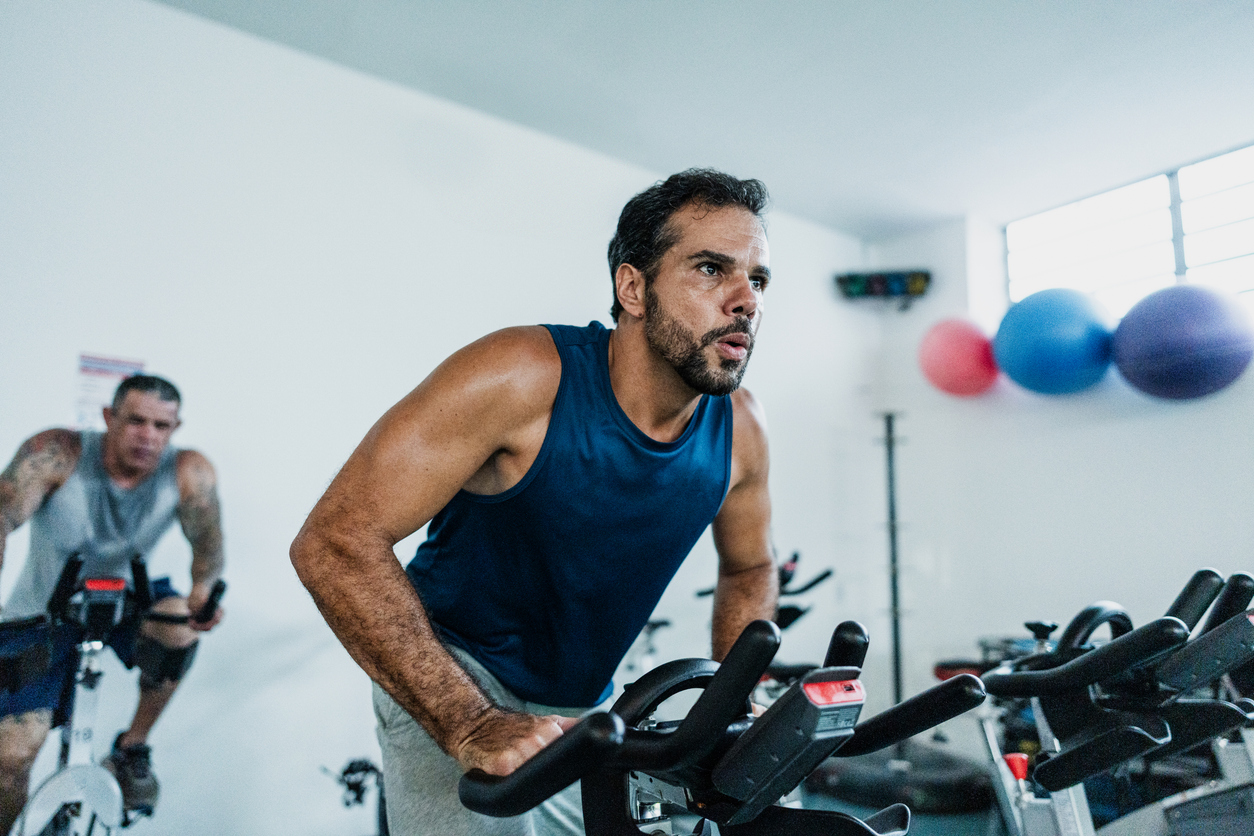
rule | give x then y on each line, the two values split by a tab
679	347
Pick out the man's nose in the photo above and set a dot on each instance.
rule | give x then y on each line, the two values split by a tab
743	299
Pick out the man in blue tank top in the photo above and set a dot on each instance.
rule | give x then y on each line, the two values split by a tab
106	497
565	473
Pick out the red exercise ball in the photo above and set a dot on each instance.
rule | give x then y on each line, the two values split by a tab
957	358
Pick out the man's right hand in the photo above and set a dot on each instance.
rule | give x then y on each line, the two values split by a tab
504	740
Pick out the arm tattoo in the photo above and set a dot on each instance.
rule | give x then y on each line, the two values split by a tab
201	518
42	463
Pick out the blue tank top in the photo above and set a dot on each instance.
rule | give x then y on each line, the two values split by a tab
548	583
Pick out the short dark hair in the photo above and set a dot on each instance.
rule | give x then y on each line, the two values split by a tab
164	389
644	232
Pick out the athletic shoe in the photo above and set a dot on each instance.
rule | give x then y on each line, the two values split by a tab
132	767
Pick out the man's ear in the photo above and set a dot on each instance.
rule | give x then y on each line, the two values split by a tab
629	285
108	415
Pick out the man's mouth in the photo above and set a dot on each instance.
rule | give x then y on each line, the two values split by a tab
734	346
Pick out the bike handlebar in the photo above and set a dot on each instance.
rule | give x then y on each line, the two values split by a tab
551	770
724	700
1236	595
603	742
59	602
141	592
1081	628
1095	666
211	603
848	646
921	712
603	737
1196	596
141	587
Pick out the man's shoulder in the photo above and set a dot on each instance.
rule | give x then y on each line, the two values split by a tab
42	465
190	461
518	338
193	472
522	355
59	447
61	437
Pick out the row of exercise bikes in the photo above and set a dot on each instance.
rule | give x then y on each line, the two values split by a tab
1147	733
1148	724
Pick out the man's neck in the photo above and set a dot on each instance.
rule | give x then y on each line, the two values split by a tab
647	388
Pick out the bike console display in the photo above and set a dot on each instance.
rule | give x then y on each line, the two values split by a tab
797	733
100	605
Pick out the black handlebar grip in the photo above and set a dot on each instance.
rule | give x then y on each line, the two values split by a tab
921	712
211	604
553	769
59	603
1086	622
808	585
847	649
1196	596
1211	655
1100	753
724	700
1236	595
1148	642
141	588
1105	662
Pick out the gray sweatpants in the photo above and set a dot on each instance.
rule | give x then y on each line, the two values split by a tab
420	780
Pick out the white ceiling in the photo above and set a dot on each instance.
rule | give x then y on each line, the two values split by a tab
874	117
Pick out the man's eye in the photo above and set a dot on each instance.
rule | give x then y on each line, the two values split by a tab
709	268
758	284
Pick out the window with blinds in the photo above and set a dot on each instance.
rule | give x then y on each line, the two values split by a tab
1195	224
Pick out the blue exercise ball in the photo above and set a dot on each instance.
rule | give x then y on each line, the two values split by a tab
1184	341
1054	342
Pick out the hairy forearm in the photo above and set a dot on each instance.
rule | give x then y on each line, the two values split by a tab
740	598
372	608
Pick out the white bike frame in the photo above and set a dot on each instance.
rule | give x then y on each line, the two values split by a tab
82	791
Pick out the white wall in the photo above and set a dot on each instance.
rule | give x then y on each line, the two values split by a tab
1017	506
297	245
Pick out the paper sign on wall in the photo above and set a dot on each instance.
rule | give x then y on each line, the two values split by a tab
98	377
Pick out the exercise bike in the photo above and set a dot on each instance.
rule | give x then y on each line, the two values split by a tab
82	798
1146	695
720	766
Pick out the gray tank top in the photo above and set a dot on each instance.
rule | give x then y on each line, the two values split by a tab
104	524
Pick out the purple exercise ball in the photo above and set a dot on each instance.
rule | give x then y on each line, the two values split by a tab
1184	341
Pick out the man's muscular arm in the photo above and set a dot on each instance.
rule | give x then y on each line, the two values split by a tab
42	464
467	425
748	580
201	518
